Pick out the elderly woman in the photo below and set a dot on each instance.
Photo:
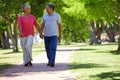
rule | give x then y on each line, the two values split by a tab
26	23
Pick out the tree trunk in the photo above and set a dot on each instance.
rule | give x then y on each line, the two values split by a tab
92	34
5	39
0	44
15	49
15	35
1	40
98	34
119	38
110	33
119	44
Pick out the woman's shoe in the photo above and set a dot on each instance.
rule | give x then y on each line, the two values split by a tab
48	64
26	65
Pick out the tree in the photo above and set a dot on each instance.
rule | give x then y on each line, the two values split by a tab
4	38
109	11
75	25
9	12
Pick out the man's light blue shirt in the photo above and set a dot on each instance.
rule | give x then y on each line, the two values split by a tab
51	24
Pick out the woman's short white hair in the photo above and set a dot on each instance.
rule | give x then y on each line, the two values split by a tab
26	6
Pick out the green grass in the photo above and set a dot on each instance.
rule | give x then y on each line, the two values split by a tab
97	62
9	59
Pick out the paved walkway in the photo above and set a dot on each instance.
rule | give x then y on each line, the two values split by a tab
40	71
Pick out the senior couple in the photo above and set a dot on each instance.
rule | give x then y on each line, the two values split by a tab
50	30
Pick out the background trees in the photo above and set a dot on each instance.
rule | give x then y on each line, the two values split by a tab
9	11
81	19
105	13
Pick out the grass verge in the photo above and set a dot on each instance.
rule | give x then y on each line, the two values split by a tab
9	59
97	62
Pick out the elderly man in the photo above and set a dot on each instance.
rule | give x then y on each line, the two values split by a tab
26	24
51	23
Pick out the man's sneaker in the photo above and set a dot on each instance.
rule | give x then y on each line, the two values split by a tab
52	64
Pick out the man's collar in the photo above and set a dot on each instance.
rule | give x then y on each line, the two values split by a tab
51	14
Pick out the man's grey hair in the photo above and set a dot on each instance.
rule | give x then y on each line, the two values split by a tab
50	5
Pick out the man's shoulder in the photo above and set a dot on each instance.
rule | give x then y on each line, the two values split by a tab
56	14
45	14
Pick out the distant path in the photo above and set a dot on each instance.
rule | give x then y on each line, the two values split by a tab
40	71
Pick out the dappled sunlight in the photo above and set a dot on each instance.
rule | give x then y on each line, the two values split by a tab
113	75
87	66
115	52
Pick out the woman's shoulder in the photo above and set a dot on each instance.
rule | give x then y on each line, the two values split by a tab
31	15
20	16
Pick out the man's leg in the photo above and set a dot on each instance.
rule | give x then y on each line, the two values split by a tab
53	47
47	47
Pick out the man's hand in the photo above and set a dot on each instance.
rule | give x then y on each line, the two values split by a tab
59	38
41	36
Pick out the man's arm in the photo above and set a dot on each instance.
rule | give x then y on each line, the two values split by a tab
41	31
60	32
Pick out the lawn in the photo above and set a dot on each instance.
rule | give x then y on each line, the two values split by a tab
9	59
97	62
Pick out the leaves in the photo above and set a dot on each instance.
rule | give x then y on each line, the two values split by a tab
3	26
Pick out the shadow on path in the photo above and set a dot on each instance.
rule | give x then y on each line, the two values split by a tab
36	68
41	70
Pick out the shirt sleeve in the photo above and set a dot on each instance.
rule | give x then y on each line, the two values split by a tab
43	18
58	19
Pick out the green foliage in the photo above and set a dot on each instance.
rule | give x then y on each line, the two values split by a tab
75	14
3	26
101	9
75	27
74	24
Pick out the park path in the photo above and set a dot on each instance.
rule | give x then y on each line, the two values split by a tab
40	71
